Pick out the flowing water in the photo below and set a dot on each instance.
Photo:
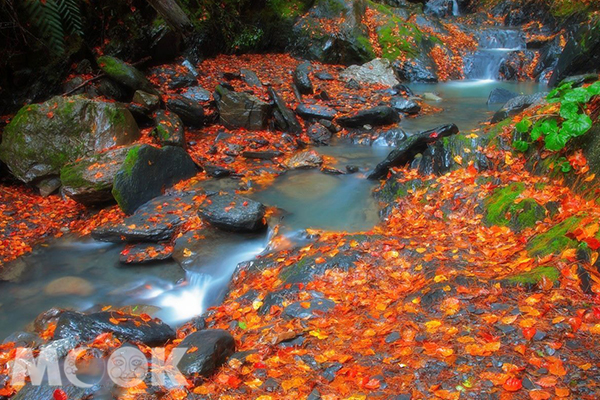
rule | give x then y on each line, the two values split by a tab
494	46
309	199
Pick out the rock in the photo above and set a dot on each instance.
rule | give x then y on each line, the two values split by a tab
217	172
155	221
410	147
174	76
250	78
149	101
42	138
147	171
514	65
125	74
190	112
332	170
214	347
143	253
549	55
197	94
316	308
319	134
262	155
381	115
123	326
416	70
315	111
500	95
241	110
378	71
581	54
44	391
285	118
302	79
391	137
112	90
89	181
232	212
352	169
169	129
324	76
516	105
69	286
431	97
438	8
23	339
48	186
405	106
305	160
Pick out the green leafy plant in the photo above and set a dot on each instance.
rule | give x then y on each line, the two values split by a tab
555	130
53	19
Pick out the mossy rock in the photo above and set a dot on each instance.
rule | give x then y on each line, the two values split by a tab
555	240
503	208
147	171
533	277
42	138
125	74
89	181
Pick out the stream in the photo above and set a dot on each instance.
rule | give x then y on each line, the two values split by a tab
310	199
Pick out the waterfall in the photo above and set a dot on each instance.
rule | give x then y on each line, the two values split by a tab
455	9
494	46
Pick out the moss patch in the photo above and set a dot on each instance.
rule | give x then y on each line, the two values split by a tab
534	276
130	160
500	203
555	239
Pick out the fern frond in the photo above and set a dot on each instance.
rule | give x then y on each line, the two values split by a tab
71	16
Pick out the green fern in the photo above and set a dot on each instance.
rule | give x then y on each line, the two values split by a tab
53	19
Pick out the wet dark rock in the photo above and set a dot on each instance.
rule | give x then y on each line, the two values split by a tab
314	395
214	346
112	90
402	90
324	76
217	172
438	8
286	119
304	270
235	213
276	299
302	78
295	342
403	397
405	106
144	253
381	115
331	170
48	186
581	54
352	169
315	111
317	307
528	384
173	77
24	339
42	138
44	391
539	335
305	160
319	134
506	329
129	328
89	181
415	71
410	147
501	95
514	65
125	74
169	129
378	71
250	77
149	102
262	155
331	371
241	110
147	171
270	385
549	55
190	112
155	221
392	337
197	94
516	105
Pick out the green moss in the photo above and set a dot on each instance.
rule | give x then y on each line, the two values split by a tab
288	8
112	67
535	276
116	116
161	133
365	43
554	240
130	160
70	176
500	203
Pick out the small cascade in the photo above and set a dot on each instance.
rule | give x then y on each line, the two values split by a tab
494	46
455	9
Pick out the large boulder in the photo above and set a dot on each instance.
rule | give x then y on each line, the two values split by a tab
42	138
211	348
147	171
169	129
241	110
516	105
83	328
416	70
190	111
284	117
89	180
305	160
302	78
501	96
439	8
381	115
581	54
319	134
315	111
378	71
235	213
405	106
125	74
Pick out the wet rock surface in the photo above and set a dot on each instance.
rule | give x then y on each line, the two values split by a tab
213	348
234	213
375	116
241	110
